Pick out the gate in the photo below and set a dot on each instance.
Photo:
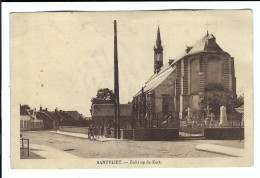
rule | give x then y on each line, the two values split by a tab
190	128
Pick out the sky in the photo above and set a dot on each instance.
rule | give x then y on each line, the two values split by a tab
61	59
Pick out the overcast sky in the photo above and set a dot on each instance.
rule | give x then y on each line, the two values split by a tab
62	59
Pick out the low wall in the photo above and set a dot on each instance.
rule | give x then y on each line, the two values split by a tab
73	129
127	134
154	134
230	133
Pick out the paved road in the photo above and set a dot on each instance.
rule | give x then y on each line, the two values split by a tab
125	149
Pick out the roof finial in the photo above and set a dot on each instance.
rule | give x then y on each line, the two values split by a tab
207	28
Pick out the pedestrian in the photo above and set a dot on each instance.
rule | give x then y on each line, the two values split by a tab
108	131
95	131
89	132
102	130
91	129
98	131
105	131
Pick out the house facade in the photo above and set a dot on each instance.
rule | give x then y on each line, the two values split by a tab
28	119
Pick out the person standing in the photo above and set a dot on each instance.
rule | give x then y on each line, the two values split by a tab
89	132
108	131
105	131
102	130
95	131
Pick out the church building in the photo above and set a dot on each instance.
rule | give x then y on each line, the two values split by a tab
179	83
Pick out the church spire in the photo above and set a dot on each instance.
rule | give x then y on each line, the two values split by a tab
158	39
158	52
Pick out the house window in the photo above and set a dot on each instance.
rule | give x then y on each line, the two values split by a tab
21	124
25	124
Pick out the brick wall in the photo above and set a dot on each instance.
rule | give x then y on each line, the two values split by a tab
154	134
83	130
234	133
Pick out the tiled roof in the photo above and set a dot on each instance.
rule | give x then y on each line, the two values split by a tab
43	115
65	115
74	114
157	79
205	44
107	110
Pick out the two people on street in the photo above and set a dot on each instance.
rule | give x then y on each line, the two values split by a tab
96	131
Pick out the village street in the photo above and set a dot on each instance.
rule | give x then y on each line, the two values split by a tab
85	148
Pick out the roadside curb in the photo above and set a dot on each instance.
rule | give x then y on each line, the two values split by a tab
224	150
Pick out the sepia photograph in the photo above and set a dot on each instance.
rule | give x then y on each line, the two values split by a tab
131	89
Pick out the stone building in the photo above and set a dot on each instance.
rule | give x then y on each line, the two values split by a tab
179	84
104	114
28	119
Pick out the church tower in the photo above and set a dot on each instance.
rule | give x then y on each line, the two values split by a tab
158	52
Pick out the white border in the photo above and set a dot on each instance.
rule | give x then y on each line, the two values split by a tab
108	6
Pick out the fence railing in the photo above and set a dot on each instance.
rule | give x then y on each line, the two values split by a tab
22	145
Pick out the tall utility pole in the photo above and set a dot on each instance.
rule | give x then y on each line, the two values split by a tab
116	88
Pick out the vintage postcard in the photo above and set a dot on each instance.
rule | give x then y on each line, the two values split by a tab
131	89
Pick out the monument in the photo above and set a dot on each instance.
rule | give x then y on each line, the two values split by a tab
223	116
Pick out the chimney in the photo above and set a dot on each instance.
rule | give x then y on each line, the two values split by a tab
188	48
56	109
170	61
40	108
34	113
46	109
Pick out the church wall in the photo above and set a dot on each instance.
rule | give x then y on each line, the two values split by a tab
203	69
167	87
232	75
220	69
213	69
194	75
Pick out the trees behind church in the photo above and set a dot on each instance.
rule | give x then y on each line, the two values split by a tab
216	96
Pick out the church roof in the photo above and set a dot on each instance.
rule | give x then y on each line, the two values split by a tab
205	44
157	78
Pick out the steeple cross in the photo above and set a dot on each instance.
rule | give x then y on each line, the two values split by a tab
207	24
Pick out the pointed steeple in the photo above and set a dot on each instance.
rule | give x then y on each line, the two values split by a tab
158	39
158	52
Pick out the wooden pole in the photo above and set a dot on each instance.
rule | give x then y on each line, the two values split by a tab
116	87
